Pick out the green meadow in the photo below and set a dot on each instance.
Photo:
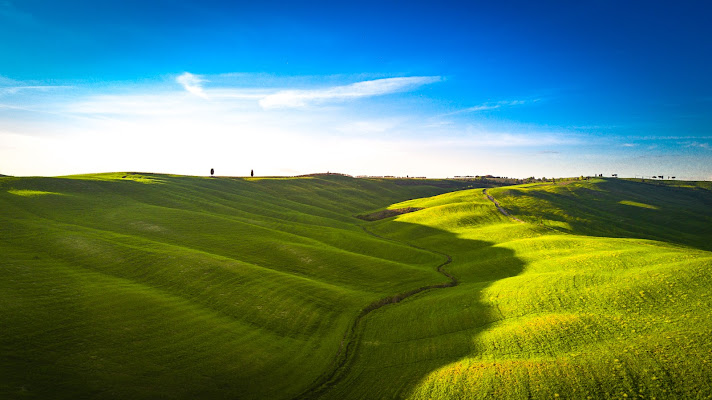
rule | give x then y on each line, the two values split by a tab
146	286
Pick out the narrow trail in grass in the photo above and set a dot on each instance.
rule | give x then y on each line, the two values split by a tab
350	341
502	210
507	214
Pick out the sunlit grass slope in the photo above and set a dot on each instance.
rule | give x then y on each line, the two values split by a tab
153	286
592	309
672	211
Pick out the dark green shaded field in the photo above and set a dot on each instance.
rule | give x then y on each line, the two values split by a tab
154	286
176	287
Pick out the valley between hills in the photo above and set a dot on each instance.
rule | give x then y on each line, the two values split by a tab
149	286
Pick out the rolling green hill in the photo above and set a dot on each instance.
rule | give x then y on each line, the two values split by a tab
155	286
671	211
586	310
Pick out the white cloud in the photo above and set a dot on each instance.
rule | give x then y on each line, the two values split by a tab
151	129
490	139
377	87
7	81
161	127
296	98
481	107
16	89
192	83
705	146
10	86
492	106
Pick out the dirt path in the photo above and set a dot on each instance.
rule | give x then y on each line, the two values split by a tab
502	210
349	344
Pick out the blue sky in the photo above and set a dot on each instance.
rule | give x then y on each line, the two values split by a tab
397	88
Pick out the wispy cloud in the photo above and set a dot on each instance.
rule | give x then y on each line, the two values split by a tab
8	90
693	138
377	87
192	83
4	80
10	86
700	145
628	145
274	128
299	98
492	106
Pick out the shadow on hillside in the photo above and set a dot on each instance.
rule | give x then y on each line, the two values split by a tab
401	344
622	209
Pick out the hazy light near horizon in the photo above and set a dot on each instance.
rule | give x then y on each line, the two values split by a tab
516	89
192	124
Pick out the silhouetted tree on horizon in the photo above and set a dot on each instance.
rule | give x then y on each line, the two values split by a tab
212	172
252	172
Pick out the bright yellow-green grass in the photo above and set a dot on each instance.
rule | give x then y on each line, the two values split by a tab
154	286
598	310
29	193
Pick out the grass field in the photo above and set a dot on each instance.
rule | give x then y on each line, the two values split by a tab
155	286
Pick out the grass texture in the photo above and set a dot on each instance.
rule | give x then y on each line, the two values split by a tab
167	287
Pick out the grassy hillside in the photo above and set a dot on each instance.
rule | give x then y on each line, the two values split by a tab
154	286
671	211
587	310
